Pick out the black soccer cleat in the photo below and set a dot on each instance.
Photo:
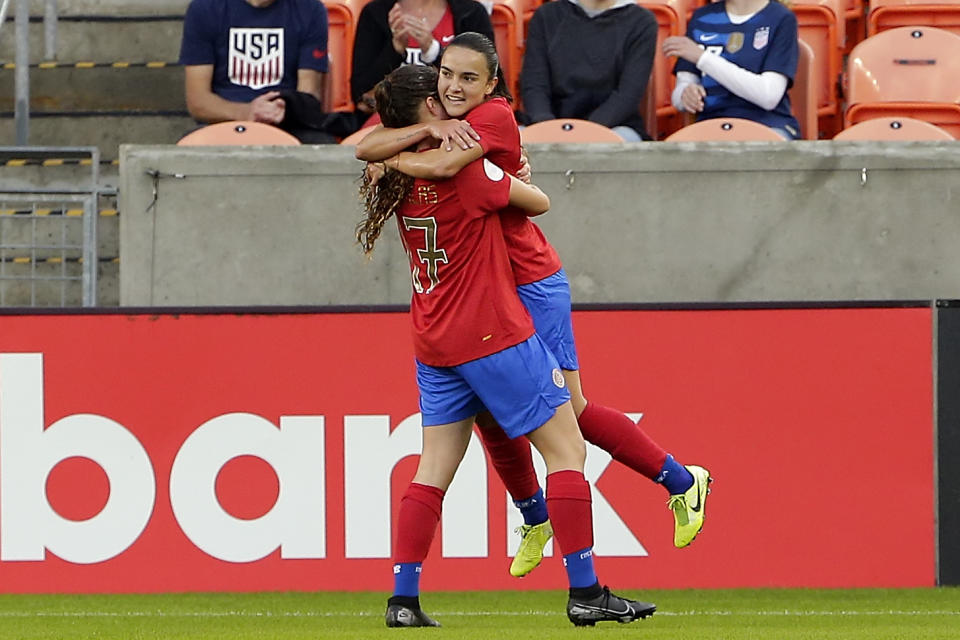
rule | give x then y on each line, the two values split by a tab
586	612
399	615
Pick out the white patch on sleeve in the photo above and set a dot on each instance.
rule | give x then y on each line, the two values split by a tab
493	172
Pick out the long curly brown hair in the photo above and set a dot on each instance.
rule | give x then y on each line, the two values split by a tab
399	97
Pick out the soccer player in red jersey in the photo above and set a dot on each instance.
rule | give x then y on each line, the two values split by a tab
471	87
476	349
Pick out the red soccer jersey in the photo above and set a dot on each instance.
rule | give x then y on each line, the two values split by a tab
531	256
464	303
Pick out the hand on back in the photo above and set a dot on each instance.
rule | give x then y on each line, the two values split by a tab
524	174
453	132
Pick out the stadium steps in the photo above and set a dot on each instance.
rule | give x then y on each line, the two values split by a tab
105	130
118	99
110	87
97	36
115	79
25	173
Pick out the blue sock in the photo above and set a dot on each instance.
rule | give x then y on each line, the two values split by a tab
579	566
534	508
674	476
406	579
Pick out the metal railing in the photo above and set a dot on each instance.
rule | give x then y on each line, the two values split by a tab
48	234
51	15
22	57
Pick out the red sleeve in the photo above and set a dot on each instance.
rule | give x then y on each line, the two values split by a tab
483	187
499	136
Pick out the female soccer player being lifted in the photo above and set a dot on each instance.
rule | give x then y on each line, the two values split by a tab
471	86
476	349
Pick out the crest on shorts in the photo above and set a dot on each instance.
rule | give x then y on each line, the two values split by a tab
558	379
734	42
255	57
761	37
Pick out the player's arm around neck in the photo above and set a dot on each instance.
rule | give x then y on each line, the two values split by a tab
383	143
436	164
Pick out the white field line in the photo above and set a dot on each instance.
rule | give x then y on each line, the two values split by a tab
351	614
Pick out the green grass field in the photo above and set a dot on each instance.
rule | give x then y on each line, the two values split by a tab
768	614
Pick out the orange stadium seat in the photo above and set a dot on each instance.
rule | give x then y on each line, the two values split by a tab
567	130
357	136
907	72
893	129
723	129
693	5
507	19
803	94
355	6
341	28
528	11
853	11
887	14
822	25
238	132
671	18
648	106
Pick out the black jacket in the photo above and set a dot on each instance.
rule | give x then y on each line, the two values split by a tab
589	68
373	53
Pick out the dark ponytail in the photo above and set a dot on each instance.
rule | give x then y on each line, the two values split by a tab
401	93
399	97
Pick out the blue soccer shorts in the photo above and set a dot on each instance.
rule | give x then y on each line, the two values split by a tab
548	302
522	386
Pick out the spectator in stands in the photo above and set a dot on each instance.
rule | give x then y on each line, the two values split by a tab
260	60
589	59
395	32
737	61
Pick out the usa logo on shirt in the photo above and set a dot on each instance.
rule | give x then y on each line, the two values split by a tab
255	57
760	37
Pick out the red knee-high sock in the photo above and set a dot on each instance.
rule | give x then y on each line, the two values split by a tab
417	522
568	501
512	461
623	439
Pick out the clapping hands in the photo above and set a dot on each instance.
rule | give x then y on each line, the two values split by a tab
404	26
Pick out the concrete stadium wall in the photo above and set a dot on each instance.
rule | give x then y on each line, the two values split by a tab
690	222
111	7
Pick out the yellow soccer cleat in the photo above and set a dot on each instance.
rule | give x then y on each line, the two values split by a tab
689	507
530	553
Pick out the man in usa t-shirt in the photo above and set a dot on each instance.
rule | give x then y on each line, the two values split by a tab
239	55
